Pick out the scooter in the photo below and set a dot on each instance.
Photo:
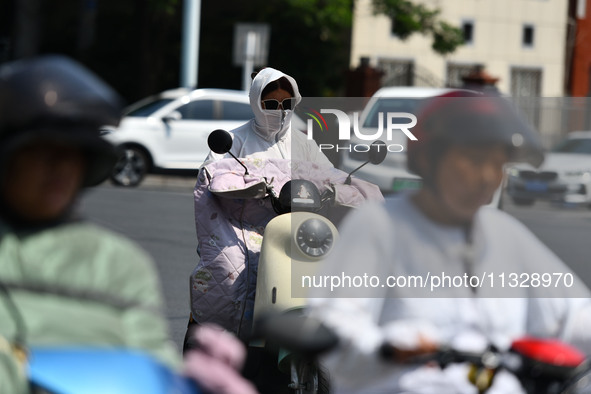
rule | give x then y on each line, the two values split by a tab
294	244
542	365
98	370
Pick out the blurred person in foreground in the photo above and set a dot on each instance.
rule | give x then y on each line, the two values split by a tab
463	141
71	282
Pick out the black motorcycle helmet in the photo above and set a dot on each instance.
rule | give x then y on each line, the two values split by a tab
470	118
55	99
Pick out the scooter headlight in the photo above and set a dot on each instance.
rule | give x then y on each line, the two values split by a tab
314	237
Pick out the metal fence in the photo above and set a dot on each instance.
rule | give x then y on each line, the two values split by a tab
554	117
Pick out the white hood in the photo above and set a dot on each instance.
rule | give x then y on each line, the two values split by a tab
270	124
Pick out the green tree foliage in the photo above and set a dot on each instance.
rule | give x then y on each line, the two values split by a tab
136	44
310	40
409	17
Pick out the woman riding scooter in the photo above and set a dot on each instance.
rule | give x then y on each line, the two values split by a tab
230	231
273	97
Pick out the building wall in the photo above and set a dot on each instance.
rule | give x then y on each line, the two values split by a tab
581	66
497	40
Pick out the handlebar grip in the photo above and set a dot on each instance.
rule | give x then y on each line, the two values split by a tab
387	352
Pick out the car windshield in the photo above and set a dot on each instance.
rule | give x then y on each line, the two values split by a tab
574	145
148	108
385	105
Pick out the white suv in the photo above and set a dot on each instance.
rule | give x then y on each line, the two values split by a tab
564	176
169	130
392	175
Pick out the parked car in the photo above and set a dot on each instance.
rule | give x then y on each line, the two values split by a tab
565	175
169	130
392	175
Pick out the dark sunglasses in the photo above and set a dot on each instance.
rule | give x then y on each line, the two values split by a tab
286	104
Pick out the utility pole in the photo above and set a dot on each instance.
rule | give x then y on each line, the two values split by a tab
190	43
247	69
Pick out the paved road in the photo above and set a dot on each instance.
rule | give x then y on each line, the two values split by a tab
565	229
159	216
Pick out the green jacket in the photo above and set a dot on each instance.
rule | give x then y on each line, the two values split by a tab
78	284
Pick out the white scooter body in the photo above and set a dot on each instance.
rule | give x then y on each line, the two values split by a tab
282	262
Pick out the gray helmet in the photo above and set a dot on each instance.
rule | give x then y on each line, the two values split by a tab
53	98
463	117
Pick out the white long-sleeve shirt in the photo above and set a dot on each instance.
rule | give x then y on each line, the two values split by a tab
396	239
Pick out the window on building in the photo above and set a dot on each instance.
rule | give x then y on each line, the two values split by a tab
397	72
526	82
528	36
455	73
468	31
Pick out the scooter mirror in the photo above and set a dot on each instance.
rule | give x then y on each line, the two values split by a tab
219	141
377	152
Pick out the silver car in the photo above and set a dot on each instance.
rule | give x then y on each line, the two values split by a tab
392	176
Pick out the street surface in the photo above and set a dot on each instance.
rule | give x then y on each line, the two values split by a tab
158	215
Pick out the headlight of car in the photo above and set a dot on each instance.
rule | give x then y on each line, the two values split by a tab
513	172
314	237
105	130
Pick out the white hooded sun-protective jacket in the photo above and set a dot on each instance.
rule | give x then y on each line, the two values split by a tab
269	135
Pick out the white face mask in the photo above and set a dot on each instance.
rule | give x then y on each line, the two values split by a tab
272	124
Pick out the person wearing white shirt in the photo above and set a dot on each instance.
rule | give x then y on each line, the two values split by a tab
421	248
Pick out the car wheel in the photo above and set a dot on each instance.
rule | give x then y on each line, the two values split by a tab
131	167
523	201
